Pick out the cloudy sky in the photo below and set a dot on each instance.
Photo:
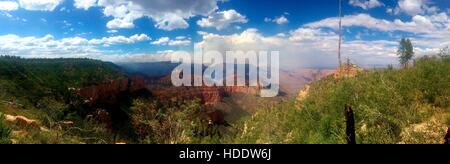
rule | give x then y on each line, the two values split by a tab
305	32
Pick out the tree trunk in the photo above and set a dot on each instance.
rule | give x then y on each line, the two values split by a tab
350	125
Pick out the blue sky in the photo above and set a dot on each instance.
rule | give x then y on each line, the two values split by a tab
148	30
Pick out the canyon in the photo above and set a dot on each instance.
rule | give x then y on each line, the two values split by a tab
112	91
293	81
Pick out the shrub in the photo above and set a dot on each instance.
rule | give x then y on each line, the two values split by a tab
385	102
5	131
156	122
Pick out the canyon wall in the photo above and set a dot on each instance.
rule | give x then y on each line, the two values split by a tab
110	92
207	95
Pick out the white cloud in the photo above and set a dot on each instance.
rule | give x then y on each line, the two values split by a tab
167	15
120	40
49	47
317	50
308	34
8	5
40	5
278	20
411	7
317	47
179	41
429	33
85	4
161	41
431	26
180	37
46	47
414	7
222	19
120	24
112	31
281	20
78	47
366	4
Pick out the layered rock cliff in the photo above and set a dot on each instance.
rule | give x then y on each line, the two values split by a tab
207	95
107	102
110	92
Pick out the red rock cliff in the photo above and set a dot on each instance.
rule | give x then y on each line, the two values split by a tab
207	95
109	92
164	90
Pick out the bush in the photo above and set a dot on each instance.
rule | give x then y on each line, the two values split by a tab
5	131
170	122
386	103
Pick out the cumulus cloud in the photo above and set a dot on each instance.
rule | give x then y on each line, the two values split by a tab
8	5
366	4
46	47
279	20
161	41
413	7
49	47
316	50
120	40
311	45
429	34
85	4
40	5
222	19
432	26
317	47
167	15
179	41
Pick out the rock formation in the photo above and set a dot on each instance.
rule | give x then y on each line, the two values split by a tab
21	121
110	92
107	102
293	81
207	95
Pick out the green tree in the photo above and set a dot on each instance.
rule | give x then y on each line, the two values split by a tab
405	51
444	53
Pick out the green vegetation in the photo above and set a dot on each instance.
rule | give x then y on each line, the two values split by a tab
43	90
405	52
5	131
171	122
30	80
40	88
410	105
444	53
